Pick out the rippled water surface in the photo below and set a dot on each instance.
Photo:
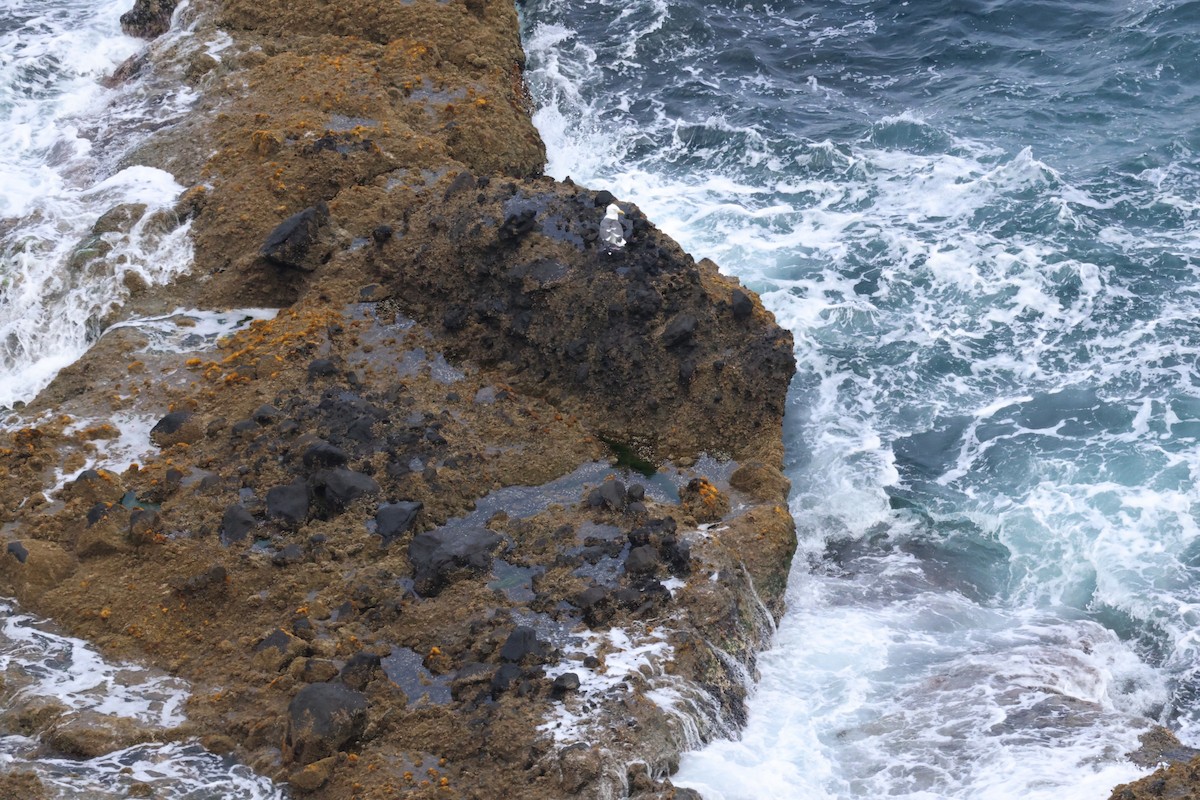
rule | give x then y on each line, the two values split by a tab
982	223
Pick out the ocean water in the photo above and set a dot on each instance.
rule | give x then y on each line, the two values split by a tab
62	167
37	662
61	170
981	221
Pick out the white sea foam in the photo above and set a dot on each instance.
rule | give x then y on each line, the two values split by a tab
64	135
38	662
180	331
42	663
179	771
936	286
626	653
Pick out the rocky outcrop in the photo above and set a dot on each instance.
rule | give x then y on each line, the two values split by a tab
323	719
629	337
148	18
492	507
1178	773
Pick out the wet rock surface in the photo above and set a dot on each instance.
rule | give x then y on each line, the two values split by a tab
148	18
426	532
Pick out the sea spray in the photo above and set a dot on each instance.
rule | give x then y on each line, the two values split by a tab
78	228
987	255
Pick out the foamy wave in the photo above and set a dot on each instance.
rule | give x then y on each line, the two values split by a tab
994	405
59	277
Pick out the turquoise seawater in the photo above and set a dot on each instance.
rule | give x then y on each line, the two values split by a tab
981	220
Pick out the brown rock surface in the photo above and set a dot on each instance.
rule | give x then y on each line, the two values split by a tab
21	786
1178	776
453	341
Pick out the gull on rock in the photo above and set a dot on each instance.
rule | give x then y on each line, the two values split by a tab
611	231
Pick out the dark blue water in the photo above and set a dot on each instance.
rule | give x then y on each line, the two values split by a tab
982	223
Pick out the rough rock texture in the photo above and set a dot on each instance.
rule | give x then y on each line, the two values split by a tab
21	786
1178	777
148	18
323	718
403	537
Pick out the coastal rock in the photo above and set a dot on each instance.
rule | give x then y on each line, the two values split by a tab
395	519
289	503
741	305
278	649
21	785
89	734
323	454
296	242
760	481
703	500
29	567
176	427
360	669
148	18
451	334
522	644
322	719
236	524
338	488
313	776
95	486
438	555
547	283
109	535
579	765
1178	775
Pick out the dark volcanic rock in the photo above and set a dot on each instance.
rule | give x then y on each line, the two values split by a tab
322	368
612	493
169	429
322	719
323	454
504	678
97	512
288	503
567	682
642	560
681	330
742	305
517	225
18	551
287	555
596	605
338	488
295	242
437	555
360	669
236	522
148	18
395	519
615	334
678	555
520	643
